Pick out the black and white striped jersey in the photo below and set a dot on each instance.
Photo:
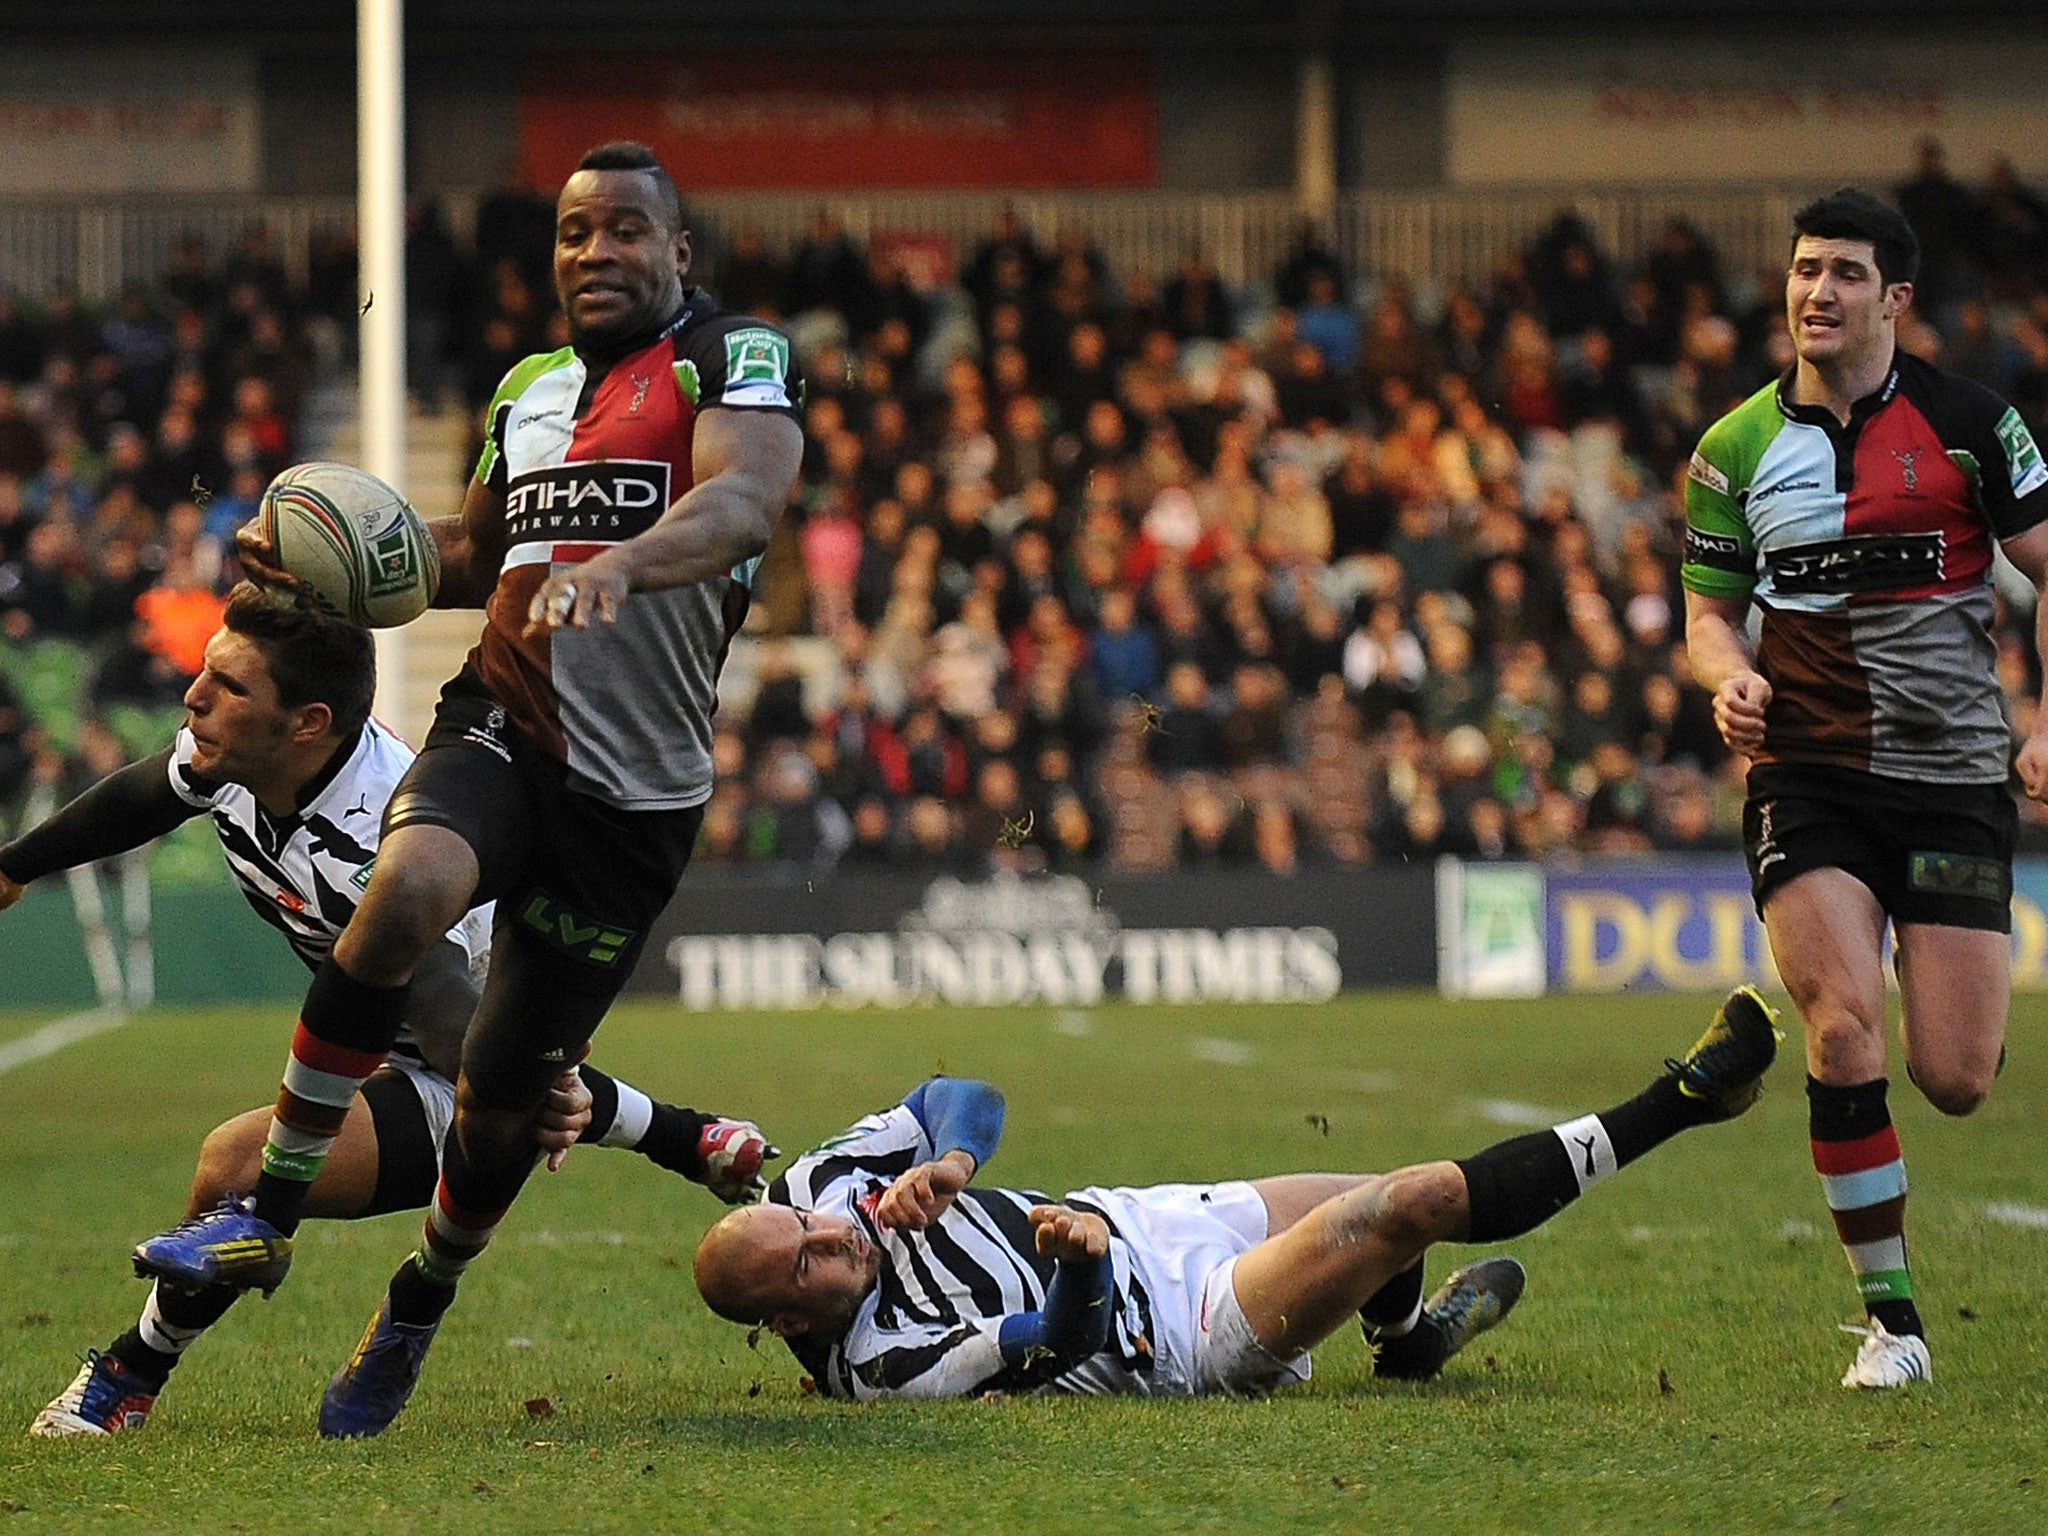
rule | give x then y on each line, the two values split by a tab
930	1327
304	873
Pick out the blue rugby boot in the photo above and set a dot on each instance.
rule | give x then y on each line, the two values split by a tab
366	1394
226	1246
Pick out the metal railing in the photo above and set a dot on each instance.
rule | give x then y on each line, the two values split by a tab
1437	237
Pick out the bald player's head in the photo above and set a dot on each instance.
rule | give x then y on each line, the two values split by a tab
796	1272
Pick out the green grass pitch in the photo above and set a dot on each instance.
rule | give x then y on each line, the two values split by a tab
1673	1366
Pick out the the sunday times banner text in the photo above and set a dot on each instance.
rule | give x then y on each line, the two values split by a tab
1056	940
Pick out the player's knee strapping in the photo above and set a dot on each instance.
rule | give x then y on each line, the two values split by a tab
345	1031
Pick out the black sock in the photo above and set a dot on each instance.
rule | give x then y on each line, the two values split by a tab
1900	1317
1416	1355
152	1367
1652	1118
184	1311
1518	1184
671	1139
1397	1303
416	1302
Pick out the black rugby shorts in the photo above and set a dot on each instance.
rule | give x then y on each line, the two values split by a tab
1930	853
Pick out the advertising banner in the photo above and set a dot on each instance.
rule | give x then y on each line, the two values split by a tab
1490	929
1051	939
1707	109
2030	923
103	119
1669	924
839	122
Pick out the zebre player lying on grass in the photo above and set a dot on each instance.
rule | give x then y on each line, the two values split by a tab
888	1273
279	748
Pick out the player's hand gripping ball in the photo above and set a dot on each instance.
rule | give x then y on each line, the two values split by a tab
355	546
732	1152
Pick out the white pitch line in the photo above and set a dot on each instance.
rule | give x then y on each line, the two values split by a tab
1513	1112
1228	1053
52	1038
2018	1215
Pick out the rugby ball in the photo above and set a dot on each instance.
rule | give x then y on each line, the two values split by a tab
359	550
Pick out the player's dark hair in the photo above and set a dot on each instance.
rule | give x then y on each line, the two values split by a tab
1853	214
313	659
631	155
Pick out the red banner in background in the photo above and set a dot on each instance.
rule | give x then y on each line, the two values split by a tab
820	121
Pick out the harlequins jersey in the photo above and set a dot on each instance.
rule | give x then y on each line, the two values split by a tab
585	462
1868	547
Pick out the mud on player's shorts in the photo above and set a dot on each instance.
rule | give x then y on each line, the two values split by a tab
1930	853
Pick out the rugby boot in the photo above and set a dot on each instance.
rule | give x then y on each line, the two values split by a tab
228	1246
103	1399
365	1395
1724	1070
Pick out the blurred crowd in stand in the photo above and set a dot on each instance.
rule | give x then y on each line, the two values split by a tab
1086	569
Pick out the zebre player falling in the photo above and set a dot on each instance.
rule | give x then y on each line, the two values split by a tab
889	1274
280	751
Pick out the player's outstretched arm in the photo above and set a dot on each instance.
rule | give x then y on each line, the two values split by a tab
963	1120
126	809
744	463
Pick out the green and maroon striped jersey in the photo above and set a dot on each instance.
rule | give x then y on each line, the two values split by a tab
585	462
1868	547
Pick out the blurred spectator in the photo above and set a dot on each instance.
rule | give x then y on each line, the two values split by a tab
1944	214
1327	322
746	278
791	823
2012	236
827	271
1574	285
1184	735
1253	728
1308	258
931	844
180	613
832	549
1194	301
23	447
1214	831
433	298
38	597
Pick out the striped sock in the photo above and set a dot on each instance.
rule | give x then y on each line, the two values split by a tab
345	1031
1863	1176
468	1206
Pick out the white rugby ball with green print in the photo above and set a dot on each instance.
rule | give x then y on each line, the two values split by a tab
357	547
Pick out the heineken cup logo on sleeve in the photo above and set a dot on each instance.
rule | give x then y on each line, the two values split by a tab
756	367
2022	458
